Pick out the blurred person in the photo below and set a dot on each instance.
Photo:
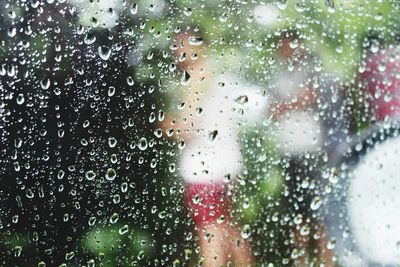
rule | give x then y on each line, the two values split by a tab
308	107
361	211
364	207
215	104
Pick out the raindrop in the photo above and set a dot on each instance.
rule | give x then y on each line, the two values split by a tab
45	83
111	91
90	175
60	174
212	135
20	99
316	203
331	5
89	38
104	52
220	219
92	221
111	174
12	31
185	79
130	81
134	9
114	218
194	40
112	142
140	255
332	243
17	251
29	193
246	231
123	230
142	144
91	263
242	99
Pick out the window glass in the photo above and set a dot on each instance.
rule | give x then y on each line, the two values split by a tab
199	133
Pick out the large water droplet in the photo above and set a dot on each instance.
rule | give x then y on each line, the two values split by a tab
194	40
142	144
112	142
185	79
316	203
134	9
60	174
90	175
45	83
104	52
12	31
246	231
111	174
114	218
89	38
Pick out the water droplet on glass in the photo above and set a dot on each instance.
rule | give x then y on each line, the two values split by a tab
114	218
111	91
20	99
316	203
142	144
212	135
12	31
194	40
60	174
123	230
111	174
104	52
242	99
134	9
112	142
332	243
45	83
246	231
89	38
90	175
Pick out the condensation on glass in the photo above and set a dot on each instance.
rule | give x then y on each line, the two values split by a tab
199	133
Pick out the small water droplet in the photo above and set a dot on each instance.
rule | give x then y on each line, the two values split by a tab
20	99
92	221
332	243
114	218
111	91
185	79
45	83
242	99
123	230
212	135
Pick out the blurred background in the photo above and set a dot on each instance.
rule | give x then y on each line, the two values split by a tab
89	169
